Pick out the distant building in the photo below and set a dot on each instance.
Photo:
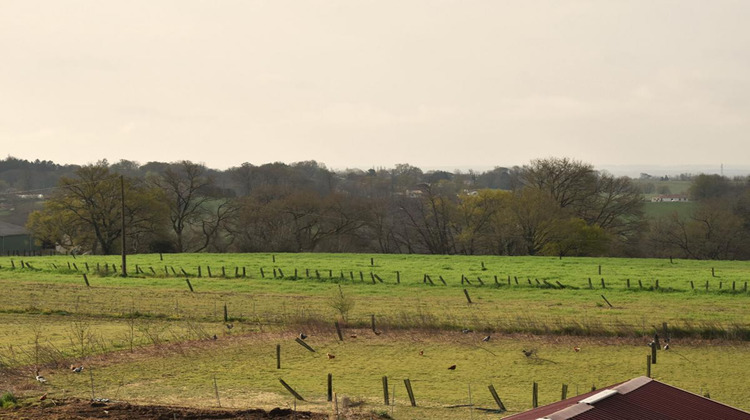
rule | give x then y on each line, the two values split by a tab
15	239
641	398
669	198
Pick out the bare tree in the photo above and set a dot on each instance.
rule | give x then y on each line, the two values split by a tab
185	185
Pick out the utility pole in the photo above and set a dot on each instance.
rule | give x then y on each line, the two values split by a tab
122	231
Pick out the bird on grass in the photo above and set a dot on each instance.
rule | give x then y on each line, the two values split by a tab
353	335
666	346
302	336
576	349
466	331
40	378
527	353
651	344
43	397
230	326
78	369
330	356
421	352
486	339
214	337
452	367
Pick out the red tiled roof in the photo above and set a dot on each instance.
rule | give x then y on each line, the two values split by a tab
638	399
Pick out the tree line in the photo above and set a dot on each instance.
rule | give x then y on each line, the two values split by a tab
552	206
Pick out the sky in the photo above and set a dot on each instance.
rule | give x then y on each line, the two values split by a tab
362	84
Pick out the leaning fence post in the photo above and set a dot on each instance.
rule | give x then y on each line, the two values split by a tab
189	285
291	391
86	279
496	398
466	292
410	392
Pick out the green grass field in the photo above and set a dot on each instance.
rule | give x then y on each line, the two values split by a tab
52	319
655	210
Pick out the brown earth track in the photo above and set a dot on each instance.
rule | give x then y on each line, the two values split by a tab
76	409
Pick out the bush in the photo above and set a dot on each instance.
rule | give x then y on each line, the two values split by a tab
8	400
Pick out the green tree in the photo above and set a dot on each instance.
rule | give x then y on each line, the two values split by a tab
86	211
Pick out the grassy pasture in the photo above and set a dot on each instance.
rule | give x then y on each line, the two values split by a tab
655	210
51	318
245	369
521	307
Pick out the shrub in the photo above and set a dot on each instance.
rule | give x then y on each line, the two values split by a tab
8	400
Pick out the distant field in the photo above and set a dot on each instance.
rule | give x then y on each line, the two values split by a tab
51	318
655	210
674	186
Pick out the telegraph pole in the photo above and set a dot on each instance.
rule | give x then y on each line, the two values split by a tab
122	231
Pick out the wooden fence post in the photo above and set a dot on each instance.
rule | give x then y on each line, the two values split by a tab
330	387
564	393
496	398
226	314
200	274
303	344
591	286
648	365
535	395
190	286
407	383
278	356
398	277
466	292
372	322
386	399
291	391
86	279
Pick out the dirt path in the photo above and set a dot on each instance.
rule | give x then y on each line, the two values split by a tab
70	409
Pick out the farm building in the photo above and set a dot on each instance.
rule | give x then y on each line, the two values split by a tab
15	239
640	398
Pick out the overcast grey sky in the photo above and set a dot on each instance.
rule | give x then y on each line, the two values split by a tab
365	84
